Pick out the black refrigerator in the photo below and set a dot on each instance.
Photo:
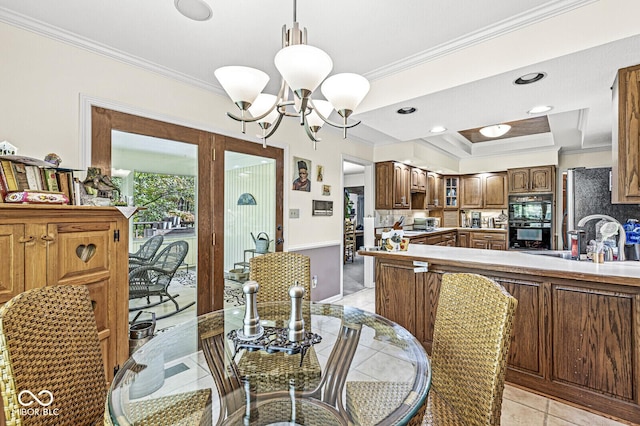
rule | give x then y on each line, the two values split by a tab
589	192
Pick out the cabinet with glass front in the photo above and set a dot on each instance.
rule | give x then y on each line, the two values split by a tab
451	192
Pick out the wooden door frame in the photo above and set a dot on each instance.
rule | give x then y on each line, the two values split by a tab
210	196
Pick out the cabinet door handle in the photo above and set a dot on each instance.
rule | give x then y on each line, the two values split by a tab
47	238
26	239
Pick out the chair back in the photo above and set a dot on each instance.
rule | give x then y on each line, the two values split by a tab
171	257
276	272
49	349
148	250
471	338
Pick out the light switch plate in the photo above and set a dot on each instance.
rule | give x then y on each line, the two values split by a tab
294	213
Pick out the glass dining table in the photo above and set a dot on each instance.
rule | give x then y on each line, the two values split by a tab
203	372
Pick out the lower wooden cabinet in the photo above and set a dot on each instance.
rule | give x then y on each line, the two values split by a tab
71	245
488	240
572	339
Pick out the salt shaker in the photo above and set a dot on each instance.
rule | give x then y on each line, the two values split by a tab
296	323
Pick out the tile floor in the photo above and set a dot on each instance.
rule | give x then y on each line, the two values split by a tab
519	407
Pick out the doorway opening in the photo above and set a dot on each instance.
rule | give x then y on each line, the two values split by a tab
354	213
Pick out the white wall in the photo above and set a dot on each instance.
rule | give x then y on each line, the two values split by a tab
42	83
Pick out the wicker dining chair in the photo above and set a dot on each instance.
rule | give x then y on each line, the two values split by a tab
275	273
50	350
471	339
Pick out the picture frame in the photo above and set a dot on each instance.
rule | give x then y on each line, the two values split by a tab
301	167
326	189
320	173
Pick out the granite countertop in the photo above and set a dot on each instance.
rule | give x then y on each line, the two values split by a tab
627	273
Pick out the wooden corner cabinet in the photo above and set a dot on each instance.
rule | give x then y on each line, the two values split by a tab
45	245
393	186
531	179
626	137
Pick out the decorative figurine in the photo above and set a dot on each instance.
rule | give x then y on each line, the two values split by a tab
53	158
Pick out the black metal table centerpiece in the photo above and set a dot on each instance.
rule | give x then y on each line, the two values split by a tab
292	339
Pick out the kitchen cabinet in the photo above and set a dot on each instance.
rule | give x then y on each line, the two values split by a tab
488	240
418	180
434	189
531	179
463	238
484	191
626	137
393	182
451	192
71	245
573	338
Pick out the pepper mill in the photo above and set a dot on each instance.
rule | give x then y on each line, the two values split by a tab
251	325
296	323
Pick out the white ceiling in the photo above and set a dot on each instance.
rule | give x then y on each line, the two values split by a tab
454	61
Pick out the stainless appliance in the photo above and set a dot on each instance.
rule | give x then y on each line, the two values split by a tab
426	223
530	221
476	219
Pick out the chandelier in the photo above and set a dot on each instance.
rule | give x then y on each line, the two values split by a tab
303	68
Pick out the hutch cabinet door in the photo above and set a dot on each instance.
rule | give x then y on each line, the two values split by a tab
12	243
83	253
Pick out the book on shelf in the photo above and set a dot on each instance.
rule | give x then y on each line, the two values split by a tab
30	176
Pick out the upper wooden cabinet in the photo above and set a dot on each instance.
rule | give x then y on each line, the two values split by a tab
531	179
484	191
434	189
626	137
64	245
393	186
451	192
418	180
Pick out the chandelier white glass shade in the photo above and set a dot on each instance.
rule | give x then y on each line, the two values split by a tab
303	68
495	131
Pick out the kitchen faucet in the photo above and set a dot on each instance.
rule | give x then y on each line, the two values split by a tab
622	236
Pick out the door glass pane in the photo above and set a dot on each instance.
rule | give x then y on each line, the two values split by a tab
249	217
160	177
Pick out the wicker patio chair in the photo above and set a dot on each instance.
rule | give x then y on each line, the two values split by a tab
49	346
146	252
275	273
154	278
471	339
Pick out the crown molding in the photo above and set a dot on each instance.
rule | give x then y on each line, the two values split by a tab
60	35
538	14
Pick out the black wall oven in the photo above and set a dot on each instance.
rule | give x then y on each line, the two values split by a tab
530	221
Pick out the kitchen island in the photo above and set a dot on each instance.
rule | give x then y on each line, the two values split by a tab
576	334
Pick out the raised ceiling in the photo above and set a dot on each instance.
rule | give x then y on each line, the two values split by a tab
454	61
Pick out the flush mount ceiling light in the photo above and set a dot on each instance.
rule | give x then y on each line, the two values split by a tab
302	68
540	109
197	10
406	110
530	78
438	129
495	131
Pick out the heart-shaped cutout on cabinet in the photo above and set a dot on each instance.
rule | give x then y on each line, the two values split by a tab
86	252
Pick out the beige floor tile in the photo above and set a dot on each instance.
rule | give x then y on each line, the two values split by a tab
525	398
515	414
577	416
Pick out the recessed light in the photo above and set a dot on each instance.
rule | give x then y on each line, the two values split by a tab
540	109
530	78
438	129
406	110
495	131
197	10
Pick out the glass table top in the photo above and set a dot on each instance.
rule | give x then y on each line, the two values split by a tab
194	371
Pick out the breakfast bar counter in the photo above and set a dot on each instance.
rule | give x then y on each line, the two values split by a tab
576	334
